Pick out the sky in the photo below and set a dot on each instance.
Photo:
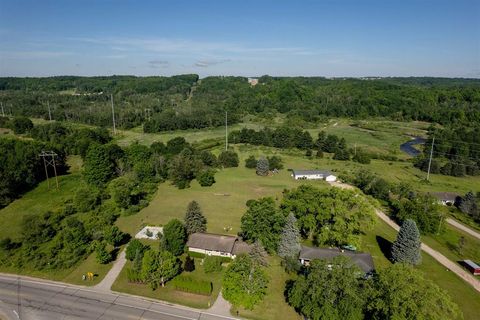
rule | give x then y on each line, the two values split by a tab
247	38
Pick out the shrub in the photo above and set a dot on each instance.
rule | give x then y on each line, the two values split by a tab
228	159
189	264
212	264
206	178
191	285
251	162
133	276
132	248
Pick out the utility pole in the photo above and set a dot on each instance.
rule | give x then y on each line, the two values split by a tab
113	115
49	160
3	111
49	112
355	149
430	161
226	131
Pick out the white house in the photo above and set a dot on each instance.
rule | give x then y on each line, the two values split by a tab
217	245
314	175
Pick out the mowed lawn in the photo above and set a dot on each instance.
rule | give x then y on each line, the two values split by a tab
378	242
223	204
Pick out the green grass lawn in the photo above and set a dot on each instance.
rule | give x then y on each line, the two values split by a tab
377	243
447	243
168	293
37	201
223	204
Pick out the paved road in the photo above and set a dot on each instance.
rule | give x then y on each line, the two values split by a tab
31	299
451	265
463	227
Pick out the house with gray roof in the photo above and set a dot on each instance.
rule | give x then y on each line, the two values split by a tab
446	198
363	260
217	245
313	175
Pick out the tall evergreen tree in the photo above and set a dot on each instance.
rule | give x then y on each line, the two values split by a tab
258	254
98	167
406	248
262	167
468	205
195	221
289	245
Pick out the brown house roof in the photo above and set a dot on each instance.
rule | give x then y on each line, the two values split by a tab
363	260
214	242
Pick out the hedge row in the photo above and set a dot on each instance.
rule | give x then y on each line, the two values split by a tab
191	285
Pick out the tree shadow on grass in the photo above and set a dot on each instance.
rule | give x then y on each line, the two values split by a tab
385	246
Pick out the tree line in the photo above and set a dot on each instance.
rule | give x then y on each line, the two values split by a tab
151	100
456	150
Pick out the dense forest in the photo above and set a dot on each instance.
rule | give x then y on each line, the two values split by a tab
181	102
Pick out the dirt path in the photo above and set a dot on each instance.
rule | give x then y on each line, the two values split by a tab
450	265
463	227
112	275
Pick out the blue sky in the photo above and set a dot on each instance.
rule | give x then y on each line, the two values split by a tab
248	38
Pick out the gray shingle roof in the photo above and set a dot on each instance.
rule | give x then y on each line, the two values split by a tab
214	242
311	172
241	247
363	260
445	196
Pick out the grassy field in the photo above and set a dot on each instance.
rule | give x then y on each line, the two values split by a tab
223	204
168	293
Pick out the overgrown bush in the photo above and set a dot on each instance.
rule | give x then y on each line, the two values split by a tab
212	264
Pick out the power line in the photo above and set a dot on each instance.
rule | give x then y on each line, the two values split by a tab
113	114
49	162
430	161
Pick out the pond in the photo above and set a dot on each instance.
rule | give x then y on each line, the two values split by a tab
408	148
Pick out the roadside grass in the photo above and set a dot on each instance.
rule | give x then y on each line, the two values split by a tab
273	306
378	243
465	219
168	293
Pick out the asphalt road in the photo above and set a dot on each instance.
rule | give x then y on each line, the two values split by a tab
30	299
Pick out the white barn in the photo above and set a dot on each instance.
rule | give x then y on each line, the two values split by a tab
314	175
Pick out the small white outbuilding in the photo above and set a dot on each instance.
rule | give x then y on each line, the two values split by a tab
313	175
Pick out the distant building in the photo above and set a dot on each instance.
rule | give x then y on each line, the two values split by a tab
446	198
217	245
253	81
313	175
363	260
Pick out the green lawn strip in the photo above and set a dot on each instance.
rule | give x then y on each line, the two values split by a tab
447	244
465	219
273	306
468	299
37	201
72	275
168	293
